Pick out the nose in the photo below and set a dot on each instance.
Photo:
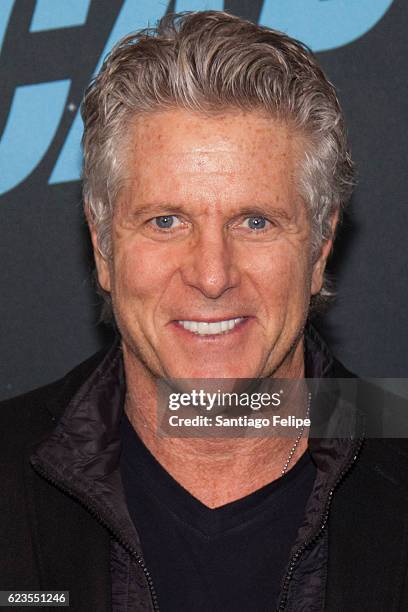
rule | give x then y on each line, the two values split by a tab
209	266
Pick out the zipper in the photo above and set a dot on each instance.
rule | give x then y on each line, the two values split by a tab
296	556
94	512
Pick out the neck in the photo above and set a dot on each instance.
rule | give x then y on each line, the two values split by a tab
215	471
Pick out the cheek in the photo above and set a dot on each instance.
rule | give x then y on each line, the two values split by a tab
142	271
282	275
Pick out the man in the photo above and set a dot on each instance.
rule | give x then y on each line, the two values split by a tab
216	168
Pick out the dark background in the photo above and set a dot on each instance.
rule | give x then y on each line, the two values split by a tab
48	307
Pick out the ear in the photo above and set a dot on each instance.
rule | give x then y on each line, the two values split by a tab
102	264
320	265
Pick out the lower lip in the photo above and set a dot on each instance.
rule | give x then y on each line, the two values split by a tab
232	333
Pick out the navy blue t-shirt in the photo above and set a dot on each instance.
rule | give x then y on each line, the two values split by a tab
228	559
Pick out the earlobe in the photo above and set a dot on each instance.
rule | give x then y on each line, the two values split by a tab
320	265
317	274
102	264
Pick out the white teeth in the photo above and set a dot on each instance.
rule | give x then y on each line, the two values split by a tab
214	328
203	328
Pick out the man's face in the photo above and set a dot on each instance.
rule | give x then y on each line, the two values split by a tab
211	273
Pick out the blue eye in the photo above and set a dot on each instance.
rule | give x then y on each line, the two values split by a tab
165	221
256	223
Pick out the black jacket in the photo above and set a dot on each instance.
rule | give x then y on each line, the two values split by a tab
64	523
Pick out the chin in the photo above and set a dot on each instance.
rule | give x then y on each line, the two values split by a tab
212	371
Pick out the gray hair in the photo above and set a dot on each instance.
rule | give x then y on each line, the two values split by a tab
210	62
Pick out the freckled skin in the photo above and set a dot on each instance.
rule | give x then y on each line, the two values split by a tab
212	174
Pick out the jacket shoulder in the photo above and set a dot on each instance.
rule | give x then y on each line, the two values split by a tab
386	442
386	459
29	416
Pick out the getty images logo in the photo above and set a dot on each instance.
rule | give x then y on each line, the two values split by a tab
36	110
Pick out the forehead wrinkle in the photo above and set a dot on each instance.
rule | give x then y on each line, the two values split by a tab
208	209
162	163
206	143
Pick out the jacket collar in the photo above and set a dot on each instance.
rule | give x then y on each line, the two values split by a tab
81	455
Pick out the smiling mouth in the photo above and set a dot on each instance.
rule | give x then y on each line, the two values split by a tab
206	328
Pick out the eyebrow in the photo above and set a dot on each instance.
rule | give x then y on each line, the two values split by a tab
157	209
265	209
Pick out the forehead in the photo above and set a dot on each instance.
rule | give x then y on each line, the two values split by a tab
236	152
